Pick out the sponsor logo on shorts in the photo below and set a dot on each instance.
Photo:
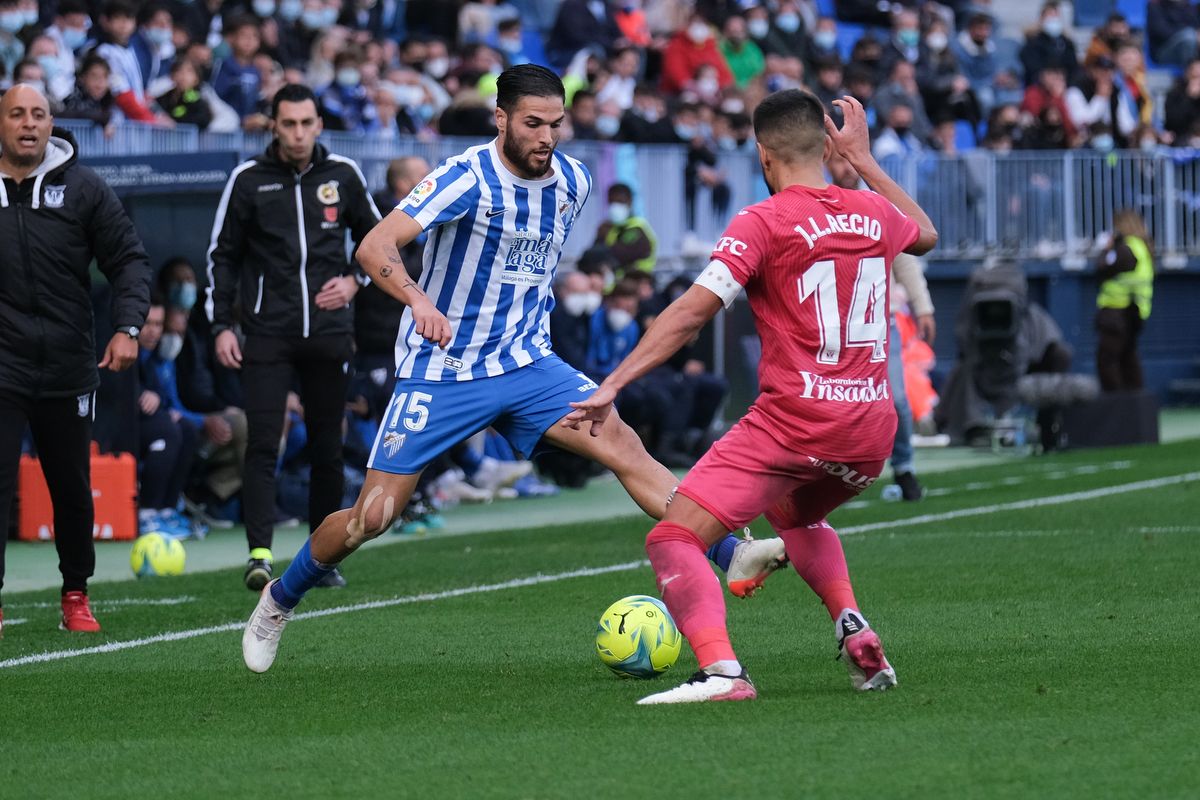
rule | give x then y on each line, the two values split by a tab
453	363
851	477
588	384
83	405
843	390
393	441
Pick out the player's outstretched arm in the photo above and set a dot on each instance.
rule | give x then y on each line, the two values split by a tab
379	255
672	329
853	142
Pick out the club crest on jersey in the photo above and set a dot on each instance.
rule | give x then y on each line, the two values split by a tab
53	196
393	441
527	257
328	193
420	192
566	212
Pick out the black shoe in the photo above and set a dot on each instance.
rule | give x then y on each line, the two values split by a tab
332	580
910	488
258	574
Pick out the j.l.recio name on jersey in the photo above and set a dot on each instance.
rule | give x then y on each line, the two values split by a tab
857	224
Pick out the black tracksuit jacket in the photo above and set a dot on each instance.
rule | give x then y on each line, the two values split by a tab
52	225
279	236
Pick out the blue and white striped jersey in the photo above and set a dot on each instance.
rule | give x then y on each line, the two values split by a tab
494	243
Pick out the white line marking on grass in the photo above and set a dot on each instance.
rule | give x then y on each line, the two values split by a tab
176	636
21	621
120	601
1017	505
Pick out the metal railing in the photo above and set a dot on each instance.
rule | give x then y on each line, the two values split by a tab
1021	204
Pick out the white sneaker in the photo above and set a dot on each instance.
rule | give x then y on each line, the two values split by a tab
753	562
452	488
703	687
260	640
861	651
495	474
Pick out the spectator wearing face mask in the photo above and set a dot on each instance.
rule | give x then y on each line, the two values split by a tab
68	33
646	121
12	49
576	300
236	79
904	43
118	21
628	237
30	73
995	73
787	36
167	432
824	40
689	49
1108	38
345	104
153	47
1048	46
510	41
897	138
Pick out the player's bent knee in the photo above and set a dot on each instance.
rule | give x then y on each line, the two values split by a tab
373	517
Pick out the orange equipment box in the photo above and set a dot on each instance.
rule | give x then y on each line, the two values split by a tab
114	494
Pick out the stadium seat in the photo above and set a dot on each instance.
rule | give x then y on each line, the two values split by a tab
1092	13
848	34
964	135
827	8
1134	11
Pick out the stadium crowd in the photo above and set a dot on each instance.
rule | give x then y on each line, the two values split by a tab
932	75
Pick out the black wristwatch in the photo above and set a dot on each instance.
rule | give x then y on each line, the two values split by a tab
131	331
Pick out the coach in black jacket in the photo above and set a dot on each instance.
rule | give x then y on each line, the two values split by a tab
56	215
279	241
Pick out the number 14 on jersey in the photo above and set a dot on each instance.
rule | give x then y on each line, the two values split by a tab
867	322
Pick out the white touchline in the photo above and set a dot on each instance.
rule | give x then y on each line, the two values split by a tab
1017	505
175	636
534	580
120	601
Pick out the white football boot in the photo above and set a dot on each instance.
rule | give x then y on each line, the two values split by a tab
703	687
861	651
753	562
260	640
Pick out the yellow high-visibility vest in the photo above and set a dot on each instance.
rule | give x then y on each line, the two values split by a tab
1135	287
635	224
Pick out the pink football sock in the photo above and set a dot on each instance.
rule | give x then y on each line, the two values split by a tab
690	590
817	555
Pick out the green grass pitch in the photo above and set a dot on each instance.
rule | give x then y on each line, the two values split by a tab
1042	651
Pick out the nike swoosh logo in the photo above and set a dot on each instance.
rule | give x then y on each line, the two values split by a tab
493	212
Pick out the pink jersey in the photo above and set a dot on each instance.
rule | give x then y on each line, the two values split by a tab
815	264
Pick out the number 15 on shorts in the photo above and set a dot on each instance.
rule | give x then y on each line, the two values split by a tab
412	408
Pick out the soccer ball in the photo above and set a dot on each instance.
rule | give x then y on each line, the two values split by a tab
155	554
637	638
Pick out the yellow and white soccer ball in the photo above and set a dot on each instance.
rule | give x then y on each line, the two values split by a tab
637	638
155	554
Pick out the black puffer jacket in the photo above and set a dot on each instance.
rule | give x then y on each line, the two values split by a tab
51	227
260	249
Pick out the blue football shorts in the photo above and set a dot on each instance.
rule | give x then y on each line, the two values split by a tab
426	418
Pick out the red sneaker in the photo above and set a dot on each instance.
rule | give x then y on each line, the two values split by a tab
861	651
77	616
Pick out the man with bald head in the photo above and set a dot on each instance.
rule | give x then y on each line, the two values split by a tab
56	216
